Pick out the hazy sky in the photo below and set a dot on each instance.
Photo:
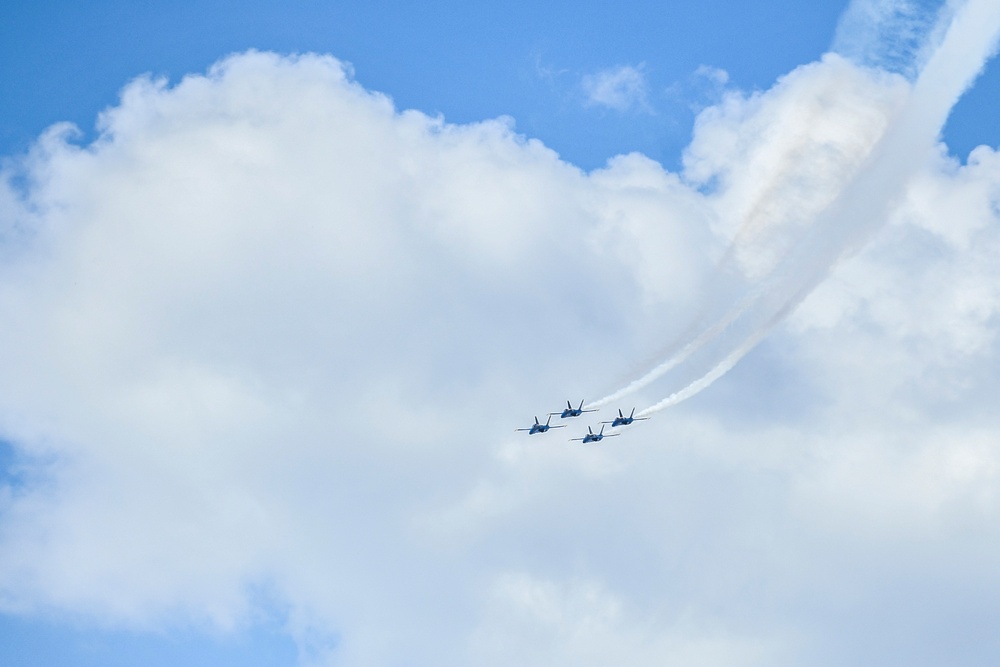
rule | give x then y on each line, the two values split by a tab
278	283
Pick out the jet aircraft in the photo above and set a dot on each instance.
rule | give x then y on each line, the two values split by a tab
595	437
540	428
622	420
570	411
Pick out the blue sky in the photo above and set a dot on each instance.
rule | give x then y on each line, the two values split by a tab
66	61
30	643
269	337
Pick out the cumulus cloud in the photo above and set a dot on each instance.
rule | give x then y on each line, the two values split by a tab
620	88
264	323
267	337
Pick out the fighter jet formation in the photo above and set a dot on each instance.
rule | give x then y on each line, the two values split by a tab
569	411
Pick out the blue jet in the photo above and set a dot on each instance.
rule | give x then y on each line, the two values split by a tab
622	420
540	428
595	437
570	411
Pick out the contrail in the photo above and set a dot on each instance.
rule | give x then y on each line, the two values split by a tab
950	55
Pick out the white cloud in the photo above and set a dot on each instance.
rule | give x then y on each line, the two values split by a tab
268	338
620	88
712	75
580	622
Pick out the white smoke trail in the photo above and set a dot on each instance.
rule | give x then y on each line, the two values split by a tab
683	354
891	35
703	382
955	52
